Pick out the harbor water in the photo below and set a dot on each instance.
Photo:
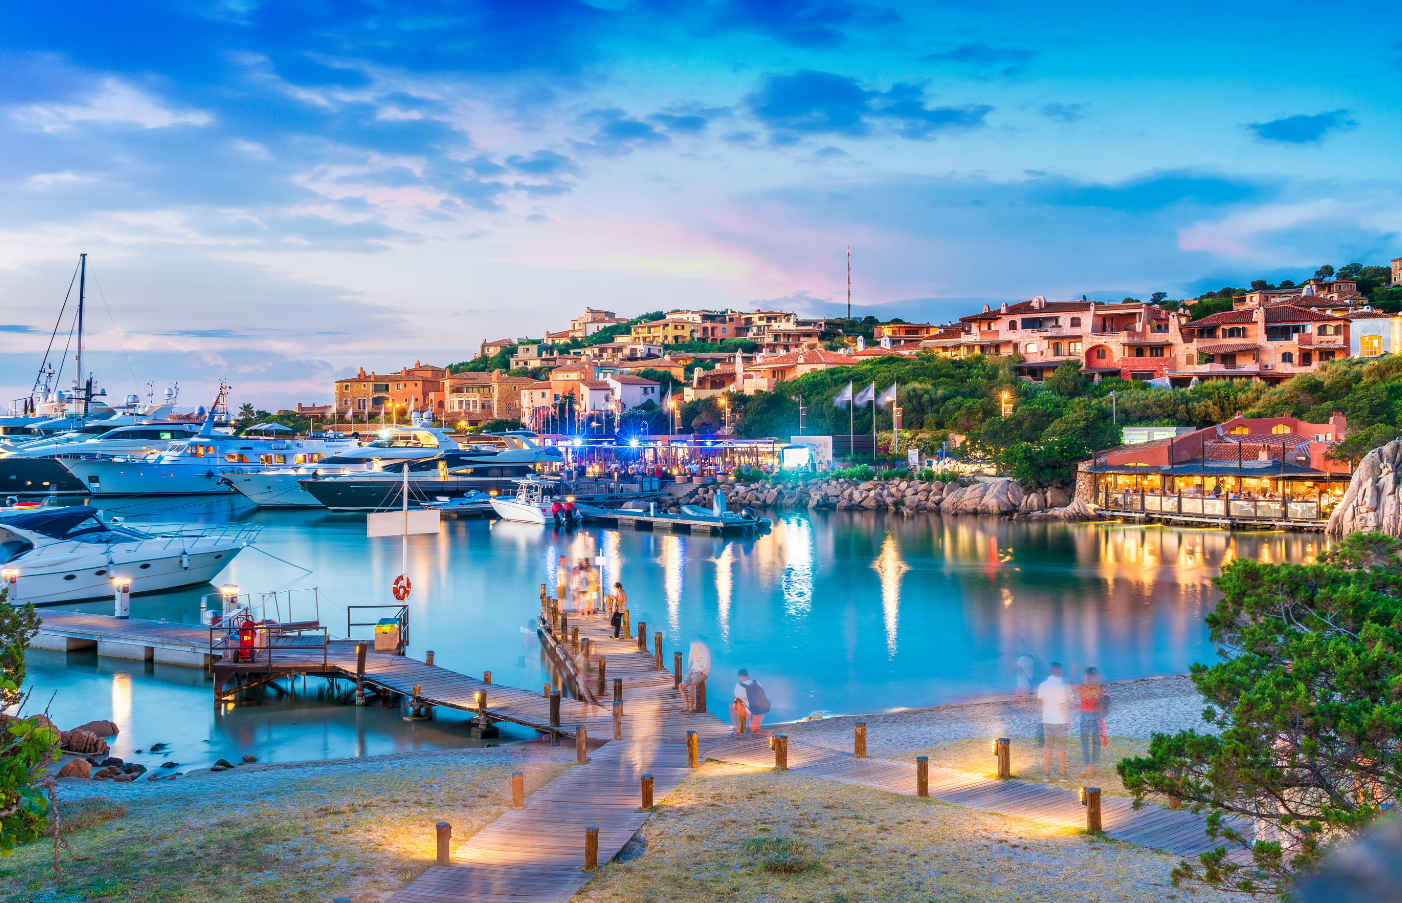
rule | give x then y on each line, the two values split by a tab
833	612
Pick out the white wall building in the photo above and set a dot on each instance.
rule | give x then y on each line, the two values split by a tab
632	391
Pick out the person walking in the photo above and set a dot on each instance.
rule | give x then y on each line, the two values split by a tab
1091	693
750	703
562	582
1055	697
618	604
697	669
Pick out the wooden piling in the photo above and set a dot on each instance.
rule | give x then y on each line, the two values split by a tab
781	752
1090	797
642	636
583	647
603	664
743	719
482	701
581	745
627	628
693	750
859	739
1003	749
564	625
518	790
657	649
618	721
445	833
591	849
922	775
701	695
428	658
555	709
676	669
647	792
486	677
546	691
618	689
360	650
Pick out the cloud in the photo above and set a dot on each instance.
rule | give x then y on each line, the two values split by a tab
541	163
1302	129
114	103
691	124
208	333
805	23
615	134
825	103
17	328
1066	112
1007	60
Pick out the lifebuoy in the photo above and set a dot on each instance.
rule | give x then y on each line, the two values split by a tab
402	587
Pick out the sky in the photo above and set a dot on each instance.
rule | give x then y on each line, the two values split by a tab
279	194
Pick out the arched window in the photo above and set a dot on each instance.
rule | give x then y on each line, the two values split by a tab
1240	430
1287	357
1139	352
1100	353
1235	332
1012	324
1280	428
1075	321
1030	347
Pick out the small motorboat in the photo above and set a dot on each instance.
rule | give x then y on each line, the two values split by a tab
719	515
535	499
464	505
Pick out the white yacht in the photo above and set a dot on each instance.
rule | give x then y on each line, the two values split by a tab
535	500
281	487
34	466
67	554
198	466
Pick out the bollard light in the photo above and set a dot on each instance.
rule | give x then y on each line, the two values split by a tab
1081	796
994	745
121	588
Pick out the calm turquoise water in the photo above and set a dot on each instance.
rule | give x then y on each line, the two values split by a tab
834	612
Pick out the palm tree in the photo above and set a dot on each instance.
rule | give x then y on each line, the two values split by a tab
246	412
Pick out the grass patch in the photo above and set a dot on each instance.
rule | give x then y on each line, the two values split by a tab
297	839
975	755
778	855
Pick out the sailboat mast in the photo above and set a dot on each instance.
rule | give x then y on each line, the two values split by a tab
82	291
849	282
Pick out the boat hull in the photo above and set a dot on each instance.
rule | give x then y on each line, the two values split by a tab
512	510
20	475
383	492
274	490
52	582
110	478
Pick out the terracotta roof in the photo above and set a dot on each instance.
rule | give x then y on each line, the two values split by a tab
1231	348
809	356
645	362
1289	313
1370	315
597	385
1226	316
628	379
1064	307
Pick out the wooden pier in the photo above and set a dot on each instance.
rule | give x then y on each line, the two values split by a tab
132	638
636	519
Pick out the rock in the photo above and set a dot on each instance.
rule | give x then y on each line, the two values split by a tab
224	763
105	774
1371	501
250	759
1016	493
997	499
101	728
113	761
86	743
133	768
1037	501
170	765
219	768
76	768
1057	497
1076	510
870	502
125	778
951	500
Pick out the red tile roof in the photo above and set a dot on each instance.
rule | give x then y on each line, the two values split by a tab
628	379
1231	348
808	356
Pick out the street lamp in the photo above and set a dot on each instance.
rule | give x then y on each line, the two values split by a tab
1114	409
1007	403
802	411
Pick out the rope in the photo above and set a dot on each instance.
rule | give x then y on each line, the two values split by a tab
283	560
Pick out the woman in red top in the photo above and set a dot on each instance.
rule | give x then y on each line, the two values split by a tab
1092	693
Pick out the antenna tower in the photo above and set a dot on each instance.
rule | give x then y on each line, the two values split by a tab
849	282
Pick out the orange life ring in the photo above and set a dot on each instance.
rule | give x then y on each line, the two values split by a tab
402	587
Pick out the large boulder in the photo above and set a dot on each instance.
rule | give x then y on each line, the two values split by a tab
1076	510
997	499
1372	501
101	728
950	502
84	743
76	768
973	497
1058	497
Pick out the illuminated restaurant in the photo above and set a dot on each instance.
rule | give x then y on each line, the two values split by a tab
1266	471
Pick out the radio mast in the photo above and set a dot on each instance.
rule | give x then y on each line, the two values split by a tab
849	282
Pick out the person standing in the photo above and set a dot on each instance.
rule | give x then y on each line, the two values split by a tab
618	605
562	582
1091	693
750	702
1055	697
697	669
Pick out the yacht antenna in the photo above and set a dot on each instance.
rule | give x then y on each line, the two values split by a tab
849	282
82	289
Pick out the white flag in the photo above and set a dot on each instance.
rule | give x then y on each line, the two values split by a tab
887	397
866	395
844	398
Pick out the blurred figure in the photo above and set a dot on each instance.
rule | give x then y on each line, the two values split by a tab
1024	675
1091	693
697	669
1055	697
617	604
562	582
750	703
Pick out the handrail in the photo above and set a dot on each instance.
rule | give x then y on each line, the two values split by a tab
402	616
224	640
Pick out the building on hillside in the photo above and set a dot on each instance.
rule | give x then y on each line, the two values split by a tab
488	349
314	411
591	321
625	349
1134	435
1270	343
1397	271
416	388
765	372
665	364
1271	471
536	403
593	395
476	398
706	383
1374	334
903	335
664	332
631	391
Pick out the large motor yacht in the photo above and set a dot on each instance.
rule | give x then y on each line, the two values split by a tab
34	466
67	554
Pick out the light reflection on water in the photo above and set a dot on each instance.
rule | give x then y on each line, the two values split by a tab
840	611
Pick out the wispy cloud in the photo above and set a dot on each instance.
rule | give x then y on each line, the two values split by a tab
1005	60
1302	129
811	102
17	328
114	103
1066	112
615	133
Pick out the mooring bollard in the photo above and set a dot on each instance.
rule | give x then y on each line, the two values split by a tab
518	790
481	700
581	745
618	721
445	832
627	628
603	664
618	689
1090	798
657	649
701	695
742	719
922	775
859	739
584	646
360	673
647	792
676	669
1003	749
486	677
591	849
428	658
693	750
642	636
781	752
555	709
564	625
546	691
1174	800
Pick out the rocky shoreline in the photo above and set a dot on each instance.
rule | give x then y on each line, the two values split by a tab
1001	497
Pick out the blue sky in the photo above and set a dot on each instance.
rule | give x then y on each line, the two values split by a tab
279	193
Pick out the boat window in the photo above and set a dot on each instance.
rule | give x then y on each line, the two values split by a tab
11	549
177	449
235	458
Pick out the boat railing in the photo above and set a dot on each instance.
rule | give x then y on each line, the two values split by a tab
177	534
401	614
237	638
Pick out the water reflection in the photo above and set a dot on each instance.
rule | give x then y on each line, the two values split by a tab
798	566
674	578
890	567
724	584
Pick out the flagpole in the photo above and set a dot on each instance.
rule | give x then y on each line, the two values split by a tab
873	424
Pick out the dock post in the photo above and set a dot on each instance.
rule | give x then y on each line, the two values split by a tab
581	745
642	636
445	832
486	677
657	650
701	695
1003	749
859	739
360	673
583	646
428	658
693	751
481	701
555	709
676	669
564	626
781	752
618	689
603	661
591	849
518	790
922	775
544	606
618	721
546	691
574	638
1090	798
647	792
627	627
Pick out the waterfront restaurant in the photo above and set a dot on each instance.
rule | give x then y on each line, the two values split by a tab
1268	471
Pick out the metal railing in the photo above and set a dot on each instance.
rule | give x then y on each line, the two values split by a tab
1209	506
240	640
401	615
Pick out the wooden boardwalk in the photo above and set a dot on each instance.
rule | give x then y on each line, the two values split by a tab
132	638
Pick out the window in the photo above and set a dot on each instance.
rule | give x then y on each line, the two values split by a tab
1073	348
1305	360
1156	351
1030	347
1280	428
380	387
1056	349
1234	332
1287	358
1012	324
1240	430
1075	321
1139	352
1327	329
1100	354
1370	345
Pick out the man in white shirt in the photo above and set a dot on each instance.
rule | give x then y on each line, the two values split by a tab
1055	696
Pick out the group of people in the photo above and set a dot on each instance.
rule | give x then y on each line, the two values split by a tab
1084	704
749	703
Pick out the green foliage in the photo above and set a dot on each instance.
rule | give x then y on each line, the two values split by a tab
663	378
1067	380
499	425
1211	305
27	746
1047	463
18	625
1307	697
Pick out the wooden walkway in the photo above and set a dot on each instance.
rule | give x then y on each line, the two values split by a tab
133	638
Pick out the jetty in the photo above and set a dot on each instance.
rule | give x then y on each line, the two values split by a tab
625	517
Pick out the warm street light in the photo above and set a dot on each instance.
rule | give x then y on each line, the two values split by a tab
1007	403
